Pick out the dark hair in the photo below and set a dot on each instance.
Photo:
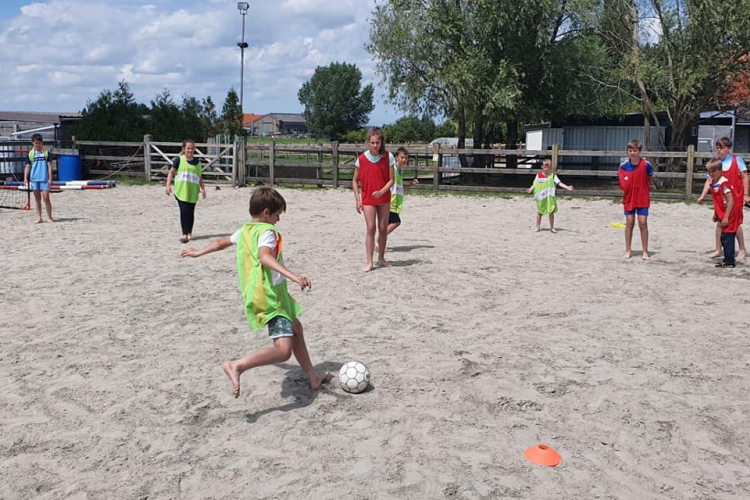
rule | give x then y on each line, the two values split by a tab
186	142
37	137
724	142
377	131
266	198
713	165
402	150
635	144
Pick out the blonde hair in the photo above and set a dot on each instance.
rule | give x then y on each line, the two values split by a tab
713	165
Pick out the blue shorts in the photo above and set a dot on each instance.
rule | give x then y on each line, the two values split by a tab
642	212
279	327
39	186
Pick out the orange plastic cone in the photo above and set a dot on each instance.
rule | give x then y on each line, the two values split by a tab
543	455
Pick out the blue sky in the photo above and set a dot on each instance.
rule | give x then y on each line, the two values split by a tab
56	55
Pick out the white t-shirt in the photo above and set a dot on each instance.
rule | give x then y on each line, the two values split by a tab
267	239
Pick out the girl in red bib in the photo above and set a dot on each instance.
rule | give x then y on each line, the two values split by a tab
374	170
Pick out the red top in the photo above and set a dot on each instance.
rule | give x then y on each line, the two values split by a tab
373	177
734	177
634	184
720	204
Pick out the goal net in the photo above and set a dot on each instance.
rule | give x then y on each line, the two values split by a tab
15	197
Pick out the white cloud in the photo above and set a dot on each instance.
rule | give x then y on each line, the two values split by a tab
58	55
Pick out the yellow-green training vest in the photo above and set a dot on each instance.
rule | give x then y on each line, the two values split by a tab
397	191
263	300
544	194
187	182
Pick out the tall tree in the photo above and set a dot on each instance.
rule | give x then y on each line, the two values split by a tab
335	101
488	65
678	56
230	122
113	116
166	121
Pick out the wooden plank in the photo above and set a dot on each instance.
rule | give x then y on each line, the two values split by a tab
109	143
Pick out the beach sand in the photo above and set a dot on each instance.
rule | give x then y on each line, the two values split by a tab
483	339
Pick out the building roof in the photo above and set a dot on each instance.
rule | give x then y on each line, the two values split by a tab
38	117
249	118
286	117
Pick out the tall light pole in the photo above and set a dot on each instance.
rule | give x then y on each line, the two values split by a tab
242	7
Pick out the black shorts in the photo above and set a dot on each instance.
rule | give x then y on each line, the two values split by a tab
393	218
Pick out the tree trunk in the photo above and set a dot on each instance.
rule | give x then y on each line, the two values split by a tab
511	161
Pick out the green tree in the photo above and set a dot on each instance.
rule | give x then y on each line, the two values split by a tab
678	56
230	122
488	65
113	116
335	101
411	129
166	120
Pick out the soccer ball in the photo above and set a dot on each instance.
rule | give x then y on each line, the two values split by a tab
354	377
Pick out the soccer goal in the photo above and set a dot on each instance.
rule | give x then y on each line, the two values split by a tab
17	197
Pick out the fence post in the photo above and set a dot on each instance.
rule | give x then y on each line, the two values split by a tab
689	172
147	155
319	170
437	163
272	161
335	157
239	172
554	159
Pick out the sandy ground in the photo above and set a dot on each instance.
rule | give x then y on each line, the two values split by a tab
483	339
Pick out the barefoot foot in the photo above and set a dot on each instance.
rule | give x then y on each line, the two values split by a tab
741	255
39	221
234	377
384	263
537	229
367	268
627	255
184	239
552	230
716	254
644	256
316	380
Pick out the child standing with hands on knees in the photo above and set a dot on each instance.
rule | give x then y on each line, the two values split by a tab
723	194
263	285
636	178
374	169
543	188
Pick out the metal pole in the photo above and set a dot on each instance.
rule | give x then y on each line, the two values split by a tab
242	69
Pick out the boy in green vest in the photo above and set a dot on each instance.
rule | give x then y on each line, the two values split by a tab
397	191
40	169
263	285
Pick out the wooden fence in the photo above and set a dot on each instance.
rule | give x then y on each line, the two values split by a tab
332	164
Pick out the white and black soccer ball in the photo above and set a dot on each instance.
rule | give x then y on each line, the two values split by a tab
354	377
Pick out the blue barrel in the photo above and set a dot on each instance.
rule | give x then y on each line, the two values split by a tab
69	168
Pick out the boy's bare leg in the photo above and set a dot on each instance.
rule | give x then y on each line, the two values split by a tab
47	205
552	223
303	357
382	212
741	254
718	252
280	352
643	228
629	225
370	215
538	226
38	205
